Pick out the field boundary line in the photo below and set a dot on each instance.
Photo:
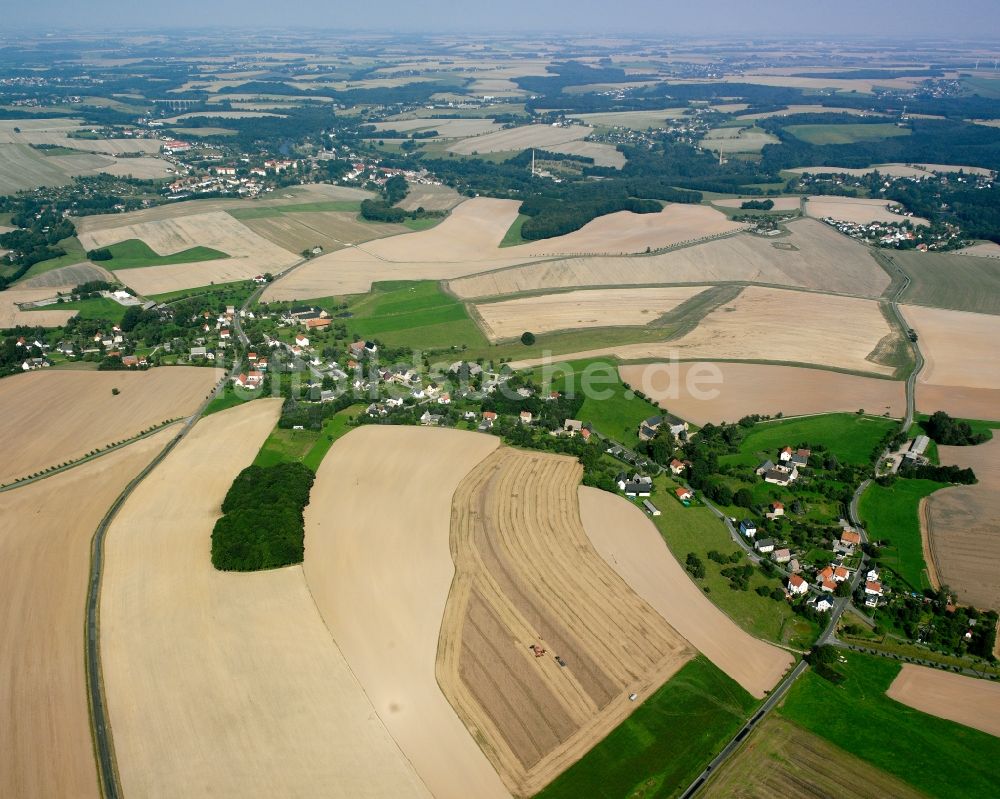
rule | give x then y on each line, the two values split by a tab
24	481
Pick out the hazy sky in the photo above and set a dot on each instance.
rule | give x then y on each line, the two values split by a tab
978	19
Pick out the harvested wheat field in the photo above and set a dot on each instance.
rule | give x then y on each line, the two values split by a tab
55	132
465	243
529	588
814	256
984	249
227	684
893	170
858	210
54	416
632	546
737	140
446	128
803	109
11	315
959	347
578	309
765	389
782	759
66	278
45	534
331	230
292	195
522	138
394	561
780	203
755	327
430	197
962	524
966	700
961	402
603	154
146	168
637	120
250	254
625	232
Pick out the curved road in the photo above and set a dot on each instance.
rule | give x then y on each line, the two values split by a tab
104	750
841	603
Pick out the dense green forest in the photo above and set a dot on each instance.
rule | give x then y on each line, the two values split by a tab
262	525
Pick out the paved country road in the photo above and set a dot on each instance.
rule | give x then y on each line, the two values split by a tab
104	750
841	603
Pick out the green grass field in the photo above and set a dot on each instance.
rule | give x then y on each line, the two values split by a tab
892	514
74	254
333	428
96	308
850	437
939	757
306	446
413	314
513	235
945	280
665	743
616	415
698	530
846	134
227	399
423	223
134	253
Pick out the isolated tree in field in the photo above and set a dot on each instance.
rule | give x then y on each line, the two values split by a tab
527	338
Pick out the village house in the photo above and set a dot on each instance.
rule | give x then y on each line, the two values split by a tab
748	528
825	579
429	419
765	545
638	486
820	604
649	427
301	340
777	509
797	585
684	494
781	555
318	324
526	417
676	466
585	434
781	475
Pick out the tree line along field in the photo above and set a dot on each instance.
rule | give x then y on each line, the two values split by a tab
933	755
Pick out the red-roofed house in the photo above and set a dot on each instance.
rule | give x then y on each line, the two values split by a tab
796	585
684	494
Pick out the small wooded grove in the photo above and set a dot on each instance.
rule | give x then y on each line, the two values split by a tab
262	526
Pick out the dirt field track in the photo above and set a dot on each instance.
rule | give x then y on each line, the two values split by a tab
752	327
527	576
393	560
633	547
963	526
578	309
782	759
813	256
966	700
45	534
855	209
227	684
764	389
959	347
54	416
